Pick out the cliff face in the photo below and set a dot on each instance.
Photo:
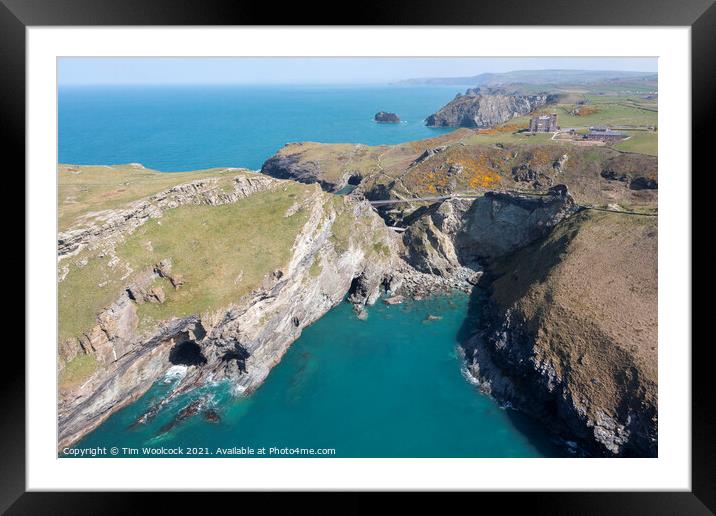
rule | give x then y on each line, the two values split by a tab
571	333
226	307
459	232
567	309
478	110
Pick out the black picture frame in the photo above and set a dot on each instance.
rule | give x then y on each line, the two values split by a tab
17	15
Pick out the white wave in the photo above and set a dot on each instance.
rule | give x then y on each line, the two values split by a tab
238	389
174	373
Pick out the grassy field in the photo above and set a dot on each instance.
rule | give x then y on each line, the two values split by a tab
222	252
643	142
84	189
598	88
77	370
610	111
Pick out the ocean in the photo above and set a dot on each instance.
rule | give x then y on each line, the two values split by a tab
390	386
196	127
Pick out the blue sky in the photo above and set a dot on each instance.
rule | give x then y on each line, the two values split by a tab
124	71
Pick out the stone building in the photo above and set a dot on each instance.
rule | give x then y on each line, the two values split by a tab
604	134
544	123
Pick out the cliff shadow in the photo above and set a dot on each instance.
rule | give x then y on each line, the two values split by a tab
545	442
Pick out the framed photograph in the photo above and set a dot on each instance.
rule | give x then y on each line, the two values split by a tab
432	250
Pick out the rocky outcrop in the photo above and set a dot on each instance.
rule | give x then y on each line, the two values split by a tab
501	222
294	166
457	163
429	240
569	333
480	110
643	183
386	118
635	182
459	232
240	342
567	310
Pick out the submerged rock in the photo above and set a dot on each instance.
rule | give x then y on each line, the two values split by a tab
211	415
360	312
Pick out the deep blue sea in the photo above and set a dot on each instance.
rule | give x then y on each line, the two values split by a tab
194	127
390	386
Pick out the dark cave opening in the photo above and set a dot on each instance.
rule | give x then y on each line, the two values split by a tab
240	354
187	353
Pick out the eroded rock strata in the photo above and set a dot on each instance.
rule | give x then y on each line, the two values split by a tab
481	109
340	246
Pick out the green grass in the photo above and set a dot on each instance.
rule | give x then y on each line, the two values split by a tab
611	111
77	370
222	252
511	137
381	248
315	269
84	292
644	142
342	227
85	189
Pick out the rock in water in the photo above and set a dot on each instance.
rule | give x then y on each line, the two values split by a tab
360	312
385	117
480	110
211	416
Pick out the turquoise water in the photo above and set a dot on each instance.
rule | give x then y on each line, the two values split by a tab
194	127
390	386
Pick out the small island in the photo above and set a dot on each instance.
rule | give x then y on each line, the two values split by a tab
386	118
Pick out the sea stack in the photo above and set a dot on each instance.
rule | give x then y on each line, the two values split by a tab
387	118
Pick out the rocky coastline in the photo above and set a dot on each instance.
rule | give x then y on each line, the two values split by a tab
347	249
471	245
239	342
586	371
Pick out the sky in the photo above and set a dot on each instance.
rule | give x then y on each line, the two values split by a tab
319	70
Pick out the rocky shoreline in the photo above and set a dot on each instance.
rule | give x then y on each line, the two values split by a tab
345	250
563	359
589	377
239	342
